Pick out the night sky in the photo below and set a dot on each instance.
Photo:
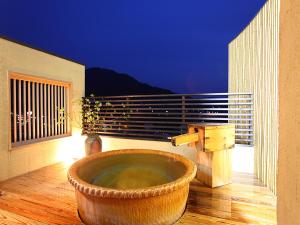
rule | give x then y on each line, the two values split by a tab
180	45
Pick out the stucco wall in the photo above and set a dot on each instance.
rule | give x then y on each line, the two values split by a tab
289	115
17	58
253	67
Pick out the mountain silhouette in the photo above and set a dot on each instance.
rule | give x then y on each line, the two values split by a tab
106	82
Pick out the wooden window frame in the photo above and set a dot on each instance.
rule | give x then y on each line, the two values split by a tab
43	84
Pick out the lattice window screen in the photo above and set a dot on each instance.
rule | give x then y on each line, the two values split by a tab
39	109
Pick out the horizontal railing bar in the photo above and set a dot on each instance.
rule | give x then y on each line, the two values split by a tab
176	104
244	130
186	118
164	122
145	122
245	140
129	126
178	100
174	95
220	99
172	113
140	130
175	126
243	134
159	127
180	109
132	134
156	138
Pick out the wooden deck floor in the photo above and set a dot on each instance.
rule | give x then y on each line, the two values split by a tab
45	197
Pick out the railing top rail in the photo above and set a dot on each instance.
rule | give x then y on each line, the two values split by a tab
172	95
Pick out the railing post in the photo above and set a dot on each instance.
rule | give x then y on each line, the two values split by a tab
183	109
83	131
251	121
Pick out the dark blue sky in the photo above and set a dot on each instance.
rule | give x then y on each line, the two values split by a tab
176	44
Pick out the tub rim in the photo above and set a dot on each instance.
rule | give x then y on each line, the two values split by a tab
104	192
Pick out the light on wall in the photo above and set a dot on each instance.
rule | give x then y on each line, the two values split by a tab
72	148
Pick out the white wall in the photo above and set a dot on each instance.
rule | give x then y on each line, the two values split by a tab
242	157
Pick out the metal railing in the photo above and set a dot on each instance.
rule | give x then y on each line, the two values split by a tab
159	117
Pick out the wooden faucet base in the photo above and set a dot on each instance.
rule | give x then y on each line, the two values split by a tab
214	150
214	144
214	168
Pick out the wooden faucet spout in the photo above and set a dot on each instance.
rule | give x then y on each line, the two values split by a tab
184	139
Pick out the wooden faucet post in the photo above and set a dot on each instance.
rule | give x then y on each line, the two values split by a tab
214	144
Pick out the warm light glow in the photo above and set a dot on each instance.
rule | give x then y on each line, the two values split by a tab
69	161
243	159
71	149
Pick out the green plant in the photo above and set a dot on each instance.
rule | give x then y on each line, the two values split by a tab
91	108
91	119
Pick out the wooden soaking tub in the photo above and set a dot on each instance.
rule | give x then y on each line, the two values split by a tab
133	187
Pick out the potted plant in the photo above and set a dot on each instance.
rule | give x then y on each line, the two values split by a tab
91	108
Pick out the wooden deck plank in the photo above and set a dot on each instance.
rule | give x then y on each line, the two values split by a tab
45	197
42	211
8	218
190	218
